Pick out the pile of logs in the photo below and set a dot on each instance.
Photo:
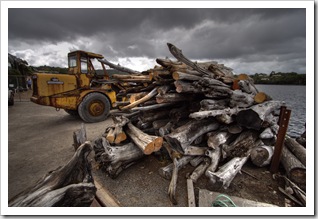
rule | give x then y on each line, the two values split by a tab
200	114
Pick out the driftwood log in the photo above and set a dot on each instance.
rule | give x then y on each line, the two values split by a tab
297	149
118	67
114	159
183	136
295	170
254	117
69	186
224	176
262	155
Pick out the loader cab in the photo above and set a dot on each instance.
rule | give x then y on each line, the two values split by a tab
81	62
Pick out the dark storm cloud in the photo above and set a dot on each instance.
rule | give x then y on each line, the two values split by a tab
201	33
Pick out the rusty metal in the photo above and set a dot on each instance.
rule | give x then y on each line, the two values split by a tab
283	125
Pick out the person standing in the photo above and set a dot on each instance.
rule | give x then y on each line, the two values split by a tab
29	83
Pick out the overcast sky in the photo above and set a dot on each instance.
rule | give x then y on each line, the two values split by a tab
246	40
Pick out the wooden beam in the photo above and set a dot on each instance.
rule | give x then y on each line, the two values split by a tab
104	197
191	197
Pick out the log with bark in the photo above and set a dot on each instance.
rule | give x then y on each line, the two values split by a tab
115	133
295	170
69	186
297	149
146	143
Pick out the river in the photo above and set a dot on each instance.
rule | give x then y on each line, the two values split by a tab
295	98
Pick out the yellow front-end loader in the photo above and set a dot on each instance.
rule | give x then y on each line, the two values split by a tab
81	91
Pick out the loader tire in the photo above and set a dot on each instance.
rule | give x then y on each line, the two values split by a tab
95	107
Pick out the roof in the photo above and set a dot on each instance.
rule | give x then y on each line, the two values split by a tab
89	54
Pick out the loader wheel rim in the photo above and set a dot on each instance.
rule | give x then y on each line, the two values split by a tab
96	108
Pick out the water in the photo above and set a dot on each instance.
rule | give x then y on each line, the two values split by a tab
295	98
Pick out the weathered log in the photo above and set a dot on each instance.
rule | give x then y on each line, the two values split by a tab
196	160
297	149
118	67
215	157
247	87
173	183
173	97
295	170
213	113
160	123
133	78
116	158
226	173
242	145
69	186
217	138
186	134
253	117
166	172
199	170
241	99
136	96
220	70
267	134
195	151
164	130
184	76
164	89
79	137
225	118
141	100
167	62
152	107
146	143
186	87
210	82
210	104
152	116
177	53
172	153
262	155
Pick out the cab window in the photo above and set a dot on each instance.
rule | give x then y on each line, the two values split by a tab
84	65
72	61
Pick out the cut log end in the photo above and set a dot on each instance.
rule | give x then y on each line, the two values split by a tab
149	148
158	143
260	97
